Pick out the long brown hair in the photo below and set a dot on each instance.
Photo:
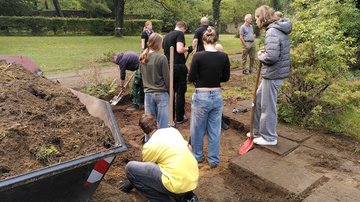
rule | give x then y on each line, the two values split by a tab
154	43
209	36
264	16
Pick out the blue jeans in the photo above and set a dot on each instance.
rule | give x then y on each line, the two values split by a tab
158	104
265	116
206	110
146	177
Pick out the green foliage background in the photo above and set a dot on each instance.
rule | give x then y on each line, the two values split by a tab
319	89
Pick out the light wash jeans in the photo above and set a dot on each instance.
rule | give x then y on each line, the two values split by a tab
206	111
146	177
265	116
158	105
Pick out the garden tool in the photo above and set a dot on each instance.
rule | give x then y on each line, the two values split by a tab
171	86
248	144
117	98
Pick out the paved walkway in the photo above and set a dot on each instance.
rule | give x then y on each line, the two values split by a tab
308	165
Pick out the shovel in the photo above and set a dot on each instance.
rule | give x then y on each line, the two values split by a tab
171	86
248	144
117	98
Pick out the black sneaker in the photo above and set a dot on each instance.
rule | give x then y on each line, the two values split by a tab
224	125
125	186
245	71
193	198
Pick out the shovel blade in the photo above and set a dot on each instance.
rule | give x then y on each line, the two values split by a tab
115	100
246	146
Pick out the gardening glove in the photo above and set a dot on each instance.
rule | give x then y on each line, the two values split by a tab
190	49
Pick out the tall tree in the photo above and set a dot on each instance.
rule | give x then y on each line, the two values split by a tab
216	15
119	17
58	8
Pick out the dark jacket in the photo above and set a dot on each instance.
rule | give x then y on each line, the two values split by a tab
276	57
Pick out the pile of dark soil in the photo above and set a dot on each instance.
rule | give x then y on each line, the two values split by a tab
43	123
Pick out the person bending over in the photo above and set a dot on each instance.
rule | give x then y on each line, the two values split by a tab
130	61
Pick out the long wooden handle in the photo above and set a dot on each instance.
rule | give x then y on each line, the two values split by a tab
126	84
252	114
171	86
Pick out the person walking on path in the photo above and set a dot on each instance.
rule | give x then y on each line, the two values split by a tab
208	69
155	72
146	34
130	61
275	59
169	170
247	38
197	41
176	39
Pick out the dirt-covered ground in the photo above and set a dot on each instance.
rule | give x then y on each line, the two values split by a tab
217	184
220	184
42	123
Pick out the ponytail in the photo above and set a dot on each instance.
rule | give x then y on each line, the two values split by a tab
144	57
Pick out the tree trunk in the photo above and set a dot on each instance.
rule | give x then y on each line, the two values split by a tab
276	5
119	17
46	5
216	15
58	8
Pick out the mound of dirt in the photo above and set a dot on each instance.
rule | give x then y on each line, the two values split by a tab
43	123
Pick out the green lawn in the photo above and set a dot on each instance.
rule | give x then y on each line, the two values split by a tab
71	53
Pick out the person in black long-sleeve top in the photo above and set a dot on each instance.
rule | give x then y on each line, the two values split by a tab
208	69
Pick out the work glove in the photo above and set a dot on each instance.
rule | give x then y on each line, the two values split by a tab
190	49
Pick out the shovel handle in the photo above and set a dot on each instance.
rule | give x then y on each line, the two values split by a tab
254	102
171	86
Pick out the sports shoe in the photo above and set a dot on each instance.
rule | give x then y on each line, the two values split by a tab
125	186
224	125
262	141
182	121
193	198
256	135
245	71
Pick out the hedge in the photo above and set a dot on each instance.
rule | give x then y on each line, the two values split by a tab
29	25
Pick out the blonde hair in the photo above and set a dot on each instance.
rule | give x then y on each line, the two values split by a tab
147	23
279	14
154	43
265	15
210	36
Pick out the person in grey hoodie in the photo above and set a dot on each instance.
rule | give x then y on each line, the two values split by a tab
275	59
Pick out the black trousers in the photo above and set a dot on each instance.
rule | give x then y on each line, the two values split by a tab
180	76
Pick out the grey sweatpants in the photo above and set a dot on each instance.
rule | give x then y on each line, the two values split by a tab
265	116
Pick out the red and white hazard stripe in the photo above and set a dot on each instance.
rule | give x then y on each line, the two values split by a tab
99	170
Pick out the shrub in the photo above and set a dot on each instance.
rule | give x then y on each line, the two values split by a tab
319	88
69	26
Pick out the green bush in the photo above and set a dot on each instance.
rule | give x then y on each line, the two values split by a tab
28	25
319	87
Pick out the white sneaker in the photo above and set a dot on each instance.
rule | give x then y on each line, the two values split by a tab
256	135
262	141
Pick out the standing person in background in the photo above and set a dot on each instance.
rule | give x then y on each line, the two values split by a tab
275	59
176	38
155	72
247	38
130	61
169	170
146	34
208	69
197	41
